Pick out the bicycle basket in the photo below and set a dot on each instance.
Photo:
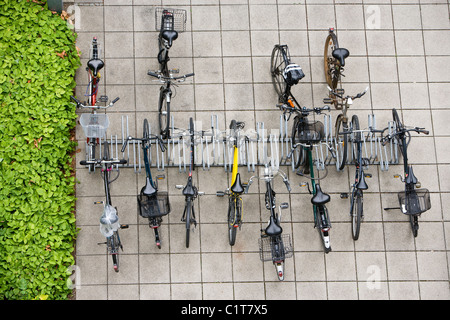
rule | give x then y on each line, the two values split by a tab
310	132
94	125
414	202
267	248
174	19
292	74
153	206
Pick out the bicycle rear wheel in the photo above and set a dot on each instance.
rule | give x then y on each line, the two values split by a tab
331	65
188	220
113	247
278	256
278	64
414	221
164	114
356	212
299	155
232	214
341	142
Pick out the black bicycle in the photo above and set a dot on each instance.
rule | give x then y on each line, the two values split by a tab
169	23
285	74
109	221
189	190
152	204
305	135
274	245
413	200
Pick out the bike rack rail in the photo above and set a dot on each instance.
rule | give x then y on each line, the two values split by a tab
214	147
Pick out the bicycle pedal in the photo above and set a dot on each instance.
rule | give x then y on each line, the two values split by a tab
220	193
174	71
103	99
368	175
99	243
124	226
344	195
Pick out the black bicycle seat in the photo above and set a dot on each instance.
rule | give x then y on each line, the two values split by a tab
410	177
320	197
237	186
95	65
341	54
170	36
189	189
148	189
362	183
273	229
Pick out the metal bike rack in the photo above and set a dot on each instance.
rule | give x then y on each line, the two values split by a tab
214	147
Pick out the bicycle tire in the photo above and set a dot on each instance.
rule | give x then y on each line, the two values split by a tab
278	64
145	130
357	136
115	244
299	154
413	220
399	125
191	133
91	151
324	235
331	43
341	146
188	220
164	115
357	210
232	214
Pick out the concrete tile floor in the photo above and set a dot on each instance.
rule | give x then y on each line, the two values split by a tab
400	49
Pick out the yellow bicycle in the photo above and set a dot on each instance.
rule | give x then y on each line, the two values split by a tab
237	188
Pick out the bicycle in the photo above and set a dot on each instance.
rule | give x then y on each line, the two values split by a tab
273	244
334	60
234	193
189	190
285	74
169	23
305	135
109	221
152	204
93	124
413	200
359	185
341	126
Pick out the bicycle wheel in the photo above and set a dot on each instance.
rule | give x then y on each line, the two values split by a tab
323	228
232	215
299	154
331	65
356	136
278	64
413	220
91	154
188	220
145	130
356	212
341	142
164	115
114	243
278	257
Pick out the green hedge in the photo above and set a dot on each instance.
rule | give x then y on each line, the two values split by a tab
38	60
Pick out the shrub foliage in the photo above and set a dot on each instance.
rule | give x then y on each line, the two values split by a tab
38	60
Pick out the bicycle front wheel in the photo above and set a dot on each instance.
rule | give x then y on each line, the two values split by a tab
188	220
299	154
341	142
356	212
114	245
164	114
278	64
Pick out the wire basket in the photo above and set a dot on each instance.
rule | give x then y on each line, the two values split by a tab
310	132
94	125
267	245
414	202
170	19
153	206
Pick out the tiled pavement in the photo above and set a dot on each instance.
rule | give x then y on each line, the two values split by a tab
399	48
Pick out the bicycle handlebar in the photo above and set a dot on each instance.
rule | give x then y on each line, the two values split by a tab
86	162
304	110
385	140
164	78
80	105
271	177
160	142
359	95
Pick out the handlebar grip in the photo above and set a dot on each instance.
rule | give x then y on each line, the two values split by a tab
124	145
115	100
426	131
75	99
83	162
288	185
122	161
152	74
161	145
189	75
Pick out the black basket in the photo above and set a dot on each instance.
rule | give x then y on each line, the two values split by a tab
310	132
153	206
414	202
178	22
266	247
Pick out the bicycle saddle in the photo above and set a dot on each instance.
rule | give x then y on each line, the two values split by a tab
410	177
189	189
320	197
341	54
148	189
95	65
237	186
273	229
362	183
170	36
